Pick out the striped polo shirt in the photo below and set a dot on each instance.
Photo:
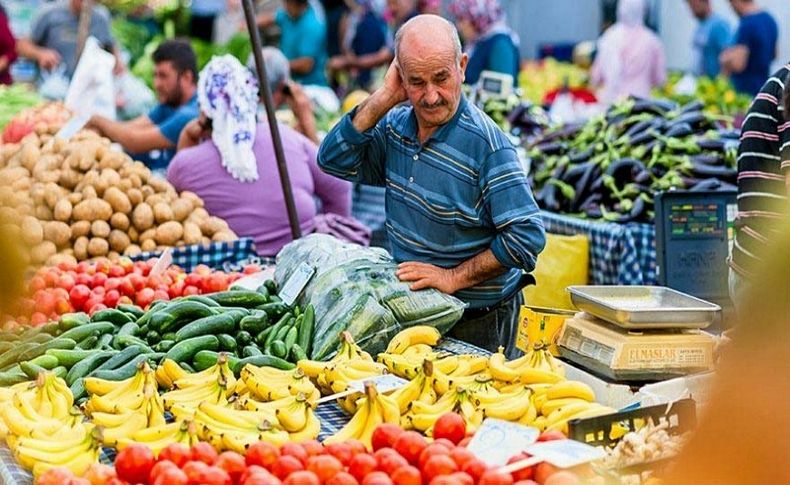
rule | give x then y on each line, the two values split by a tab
461	192
763	161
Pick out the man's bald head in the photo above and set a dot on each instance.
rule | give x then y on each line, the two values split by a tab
426	35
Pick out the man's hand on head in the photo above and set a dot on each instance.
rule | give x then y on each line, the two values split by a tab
393	85
424	275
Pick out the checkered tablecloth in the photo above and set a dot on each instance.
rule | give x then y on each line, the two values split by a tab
620	254
219	255
332	419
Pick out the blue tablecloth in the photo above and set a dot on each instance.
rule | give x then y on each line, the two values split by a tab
620	254
227	256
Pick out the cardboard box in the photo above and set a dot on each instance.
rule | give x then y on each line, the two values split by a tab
538	325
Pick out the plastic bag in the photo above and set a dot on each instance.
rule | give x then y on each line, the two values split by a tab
355	289
136	99
55	84
92	91
563	263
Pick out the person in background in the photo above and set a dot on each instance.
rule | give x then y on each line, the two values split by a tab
630	59
748	61
490	44
460	214
287	92
364	43
399	12
152	138
710	39
227	158
335	11
204	13
53	37
433	7
303	40
7	48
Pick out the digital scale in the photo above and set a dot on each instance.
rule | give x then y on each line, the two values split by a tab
492	85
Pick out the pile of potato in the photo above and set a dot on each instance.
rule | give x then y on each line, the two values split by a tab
81	199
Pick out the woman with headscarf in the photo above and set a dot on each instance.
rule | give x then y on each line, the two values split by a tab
364	43
489	42
630	59
227	158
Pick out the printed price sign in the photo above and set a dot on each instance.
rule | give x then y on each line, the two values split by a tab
497	441
75	124
565	453
384	383
294	286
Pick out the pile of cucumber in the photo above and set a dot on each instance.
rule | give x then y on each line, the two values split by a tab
249	326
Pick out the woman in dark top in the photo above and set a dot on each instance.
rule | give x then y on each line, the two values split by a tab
490	43
7	48
364	43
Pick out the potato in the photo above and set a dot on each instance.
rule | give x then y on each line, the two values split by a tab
113	159
212	225
143	217
42	252
199	214
62	211
29	154
20	185
120	221
132	250
148	234
118	200
51	195
159	185
133	234
205	241
80	229
163	213
58	232
92	210
221	236
135	196
58	258
8	214
43	213
192	234
181	209
69	178
89	192
136	181
169	233
125	185
32	232
110	177
100	229
147	191
196	201
118	240
98	247
148	245
75	198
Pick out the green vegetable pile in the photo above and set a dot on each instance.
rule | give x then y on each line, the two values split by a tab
717	94
14	99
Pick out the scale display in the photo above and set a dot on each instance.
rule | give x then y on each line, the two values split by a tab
696	220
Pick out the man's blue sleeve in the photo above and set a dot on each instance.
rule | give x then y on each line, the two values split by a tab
157	114
171	128
720	35
354	156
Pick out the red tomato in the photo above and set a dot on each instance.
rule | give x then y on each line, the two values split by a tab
390	462
202	270
494	477
262	454
465	442
313	448
67	266
285	465
357	447
204	452
294	450
552	436
444	442
474	468
451	426
192	279
461	478
175	452
233	463
51	278
524	473
543	471
251	268
341	451
103	266
37	283
66	281
410	444
82	267
126	287
83	279
116	271
218	282
45	303
215	476
562	477
137	281
63	306
38	319
261	473
361	465
78	295
342	478
55	476
78	481
385	435
438	465
161	295
96	307
98	474
171	476
134	463
176	289
377	478
407	475
160	468
461	456
324	466
98	291
111	298
526	482
194	471
98	279
432	450
190	290
127	264
144	297
154	281
112	283
302	477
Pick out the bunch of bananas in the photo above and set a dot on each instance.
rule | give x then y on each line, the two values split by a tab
410	337
372	410
537	366
349	352
559	403
235	429
421	389
213	385
422	417
269	384
168	372
121	408
158	437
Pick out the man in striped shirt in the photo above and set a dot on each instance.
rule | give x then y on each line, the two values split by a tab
460	214
763	166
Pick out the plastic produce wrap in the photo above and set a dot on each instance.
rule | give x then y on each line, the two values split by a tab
355	289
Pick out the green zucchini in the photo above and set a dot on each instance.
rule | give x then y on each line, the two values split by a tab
164	345
271	286
135	311
180	313
207	358
121	358
214	324
46	361
187	367
69	358
125	371
88	364
202	299
243	338
12	376
128	328
104	341
12	356
185	350
112	315
255	322
260	339
262	361
251	351
306	329
279	349
245	299
58	343
275	310
290	337
297	353
88	329
72	320
227	343
60	371
91	342
120	342
31	370
284	322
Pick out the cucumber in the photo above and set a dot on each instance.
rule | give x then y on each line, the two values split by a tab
271	286
279	349
187	367
45	361
164	345
77	389
85	331
112	315
244	298
275	310
202	299
306	329
275	299
275	330
255	323
251	351
262	361
297	311
121	358
12	376
58	343
211	325
40	338
60	371
72	320
227	343
185	350
12	356
223	309
152	336
297	353
262	290
120	342
5	346
128	328
127	370
180	313
150	311
69	358
284	329
290	337
88	364
169	336
104	341
50	328
31	370
133	310
207	358
90	342
260	339
243	338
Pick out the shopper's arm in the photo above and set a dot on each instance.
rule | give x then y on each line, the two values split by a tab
370	61
264	20
471	272
303	112
45	58
132	140
734	59
302	65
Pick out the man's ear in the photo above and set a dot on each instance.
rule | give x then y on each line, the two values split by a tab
463	64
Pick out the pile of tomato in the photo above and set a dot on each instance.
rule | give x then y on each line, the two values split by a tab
398	457
93	286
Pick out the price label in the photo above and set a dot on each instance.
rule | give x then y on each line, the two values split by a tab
384	383
565	453
496	441
165	260
296	283
75	124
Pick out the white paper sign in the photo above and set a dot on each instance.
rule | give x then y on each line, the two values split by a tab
75	124
295	284
164	261
497	441
565	453
384	383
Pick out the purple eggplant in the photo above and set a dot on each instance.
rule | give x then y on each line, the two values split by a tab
678	130
707	159
624	170
658	107
726	174
583	186
712	184
695	105
711	144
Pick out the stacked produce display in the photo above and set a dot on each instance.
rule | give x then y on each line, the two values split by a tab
42	119
717	94
13	99
612	166
539	79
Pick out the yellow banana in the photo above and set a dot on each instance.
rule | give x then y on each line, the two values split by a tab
509	409
408	393
567	411
312	368
538	376
568	389
592	412
294	417
498	369
418	334
353	429
134	423
173	370
78	465
310	431
552	405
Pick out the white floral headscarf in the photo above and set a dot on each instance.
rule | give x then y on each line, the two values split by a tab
228	94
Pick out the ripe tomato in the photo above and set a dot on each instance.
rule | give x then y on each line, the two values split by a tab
524	473
98	474
96	307
176	289
233	463
217	282
552	436
66	281
324	466
134	463
285	465
438	465
137	281
51	278
55	476
102	265
251	268
444	442
361	465
262	454
171	476
260	472
385	435
390	462
127	264
98	279
112	283
161	295
433	449
377	478
406	475
341	451
543	471
37	283
461	456
38	319
126	288
410	444
159	468
144	297
295	450
204	452
190	290
116	271
342	478
461	478
302	477
313	447
193	279
495	477
474	468
357	447
451	426
177	453
83	279
215	476
111	298
194	471
82	267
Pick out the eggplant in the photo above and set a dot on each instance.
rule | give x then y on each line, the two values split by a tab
552	148
642	177
678	130
624	170
706	171
696	105
695	119
639	127
707	159
711	144
550	202
583	185
659	107
578	157
712	184
575	172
